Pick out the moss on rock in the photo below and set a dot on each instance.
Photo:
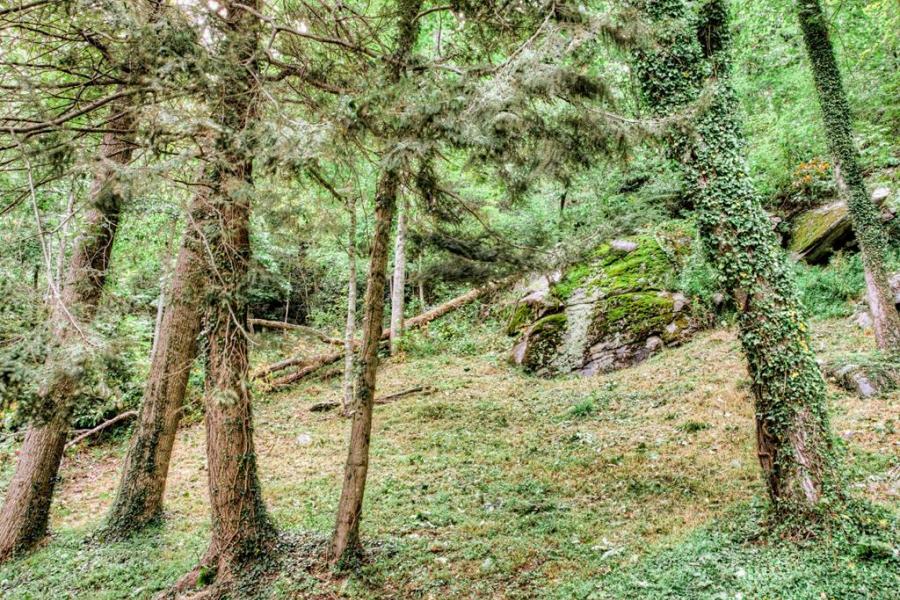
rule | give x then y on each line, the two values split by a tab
820	231
614	309
541	344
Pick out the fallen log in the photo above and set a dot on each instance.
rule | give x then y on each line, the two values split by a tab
308	366
326	406
125	415
301	329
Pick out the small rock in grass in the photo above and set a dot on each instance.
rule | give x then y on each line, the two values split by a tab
864	320
304	439
623	245
881	194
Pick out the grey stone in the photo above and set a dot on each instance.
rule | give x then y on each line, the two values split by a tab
624	245
881	194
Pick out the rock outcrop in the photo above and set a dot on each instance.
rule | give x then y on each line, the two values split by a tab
865	375
819	232
612	311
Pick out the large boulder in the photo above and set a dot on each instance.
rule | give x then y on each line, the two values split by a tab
610	312
819	232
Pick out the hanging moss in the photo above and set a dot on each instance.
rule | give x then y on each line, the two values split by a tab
686	71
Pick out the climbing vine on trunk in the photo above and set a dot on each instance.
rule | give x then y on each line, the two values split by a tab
684	75
866	218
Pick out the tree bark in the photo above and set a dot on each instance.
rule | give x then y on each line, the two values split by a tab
241	529
345	541
398	290
139	498
864	214
350	328
793	434
25	513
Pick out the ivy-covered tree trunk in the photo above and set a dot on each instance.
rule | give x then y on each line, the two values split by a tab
26	510
345	544
139	498
685	72
865	216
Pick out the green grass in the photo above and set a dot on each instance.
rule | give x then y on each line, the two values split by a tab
73	567
734	558
637	484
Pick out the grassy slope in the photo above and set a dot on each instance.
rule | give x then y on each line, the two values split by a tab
638	484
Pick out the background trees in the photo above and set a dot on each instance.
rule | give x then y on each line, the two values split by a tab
513	135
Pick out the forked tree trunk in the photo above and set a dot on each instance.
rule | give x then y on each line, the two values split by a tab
345	541
139	498
865	216
26	510
398	290
793	434
350	329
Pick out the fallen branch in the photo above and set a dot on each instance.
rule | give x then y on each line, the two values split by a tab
308	366
326	406
101	427
301	329
392	397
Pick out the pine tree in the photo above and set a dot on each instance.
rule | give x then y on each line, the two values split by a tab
345	544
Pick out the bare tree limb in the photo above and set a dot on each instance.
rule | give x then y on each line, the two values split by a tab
101	427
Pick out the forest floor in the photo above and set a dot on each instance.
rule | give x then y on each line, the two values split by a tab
639	484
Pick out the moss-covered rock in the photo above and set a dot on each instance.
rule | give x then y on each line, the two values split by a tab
817	233
866	375
540	344
613	310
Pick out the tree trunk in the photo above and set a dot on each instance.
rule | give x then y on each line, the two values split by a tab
25	513
345	545
350	329
865	216
241	529
793	433
139	498
398	291
345	542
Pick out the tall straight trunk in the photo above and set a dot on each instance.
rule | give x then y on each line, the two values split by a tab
350	328
398	289
345	544
793	434
139	498
241	529
26	510
865	216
